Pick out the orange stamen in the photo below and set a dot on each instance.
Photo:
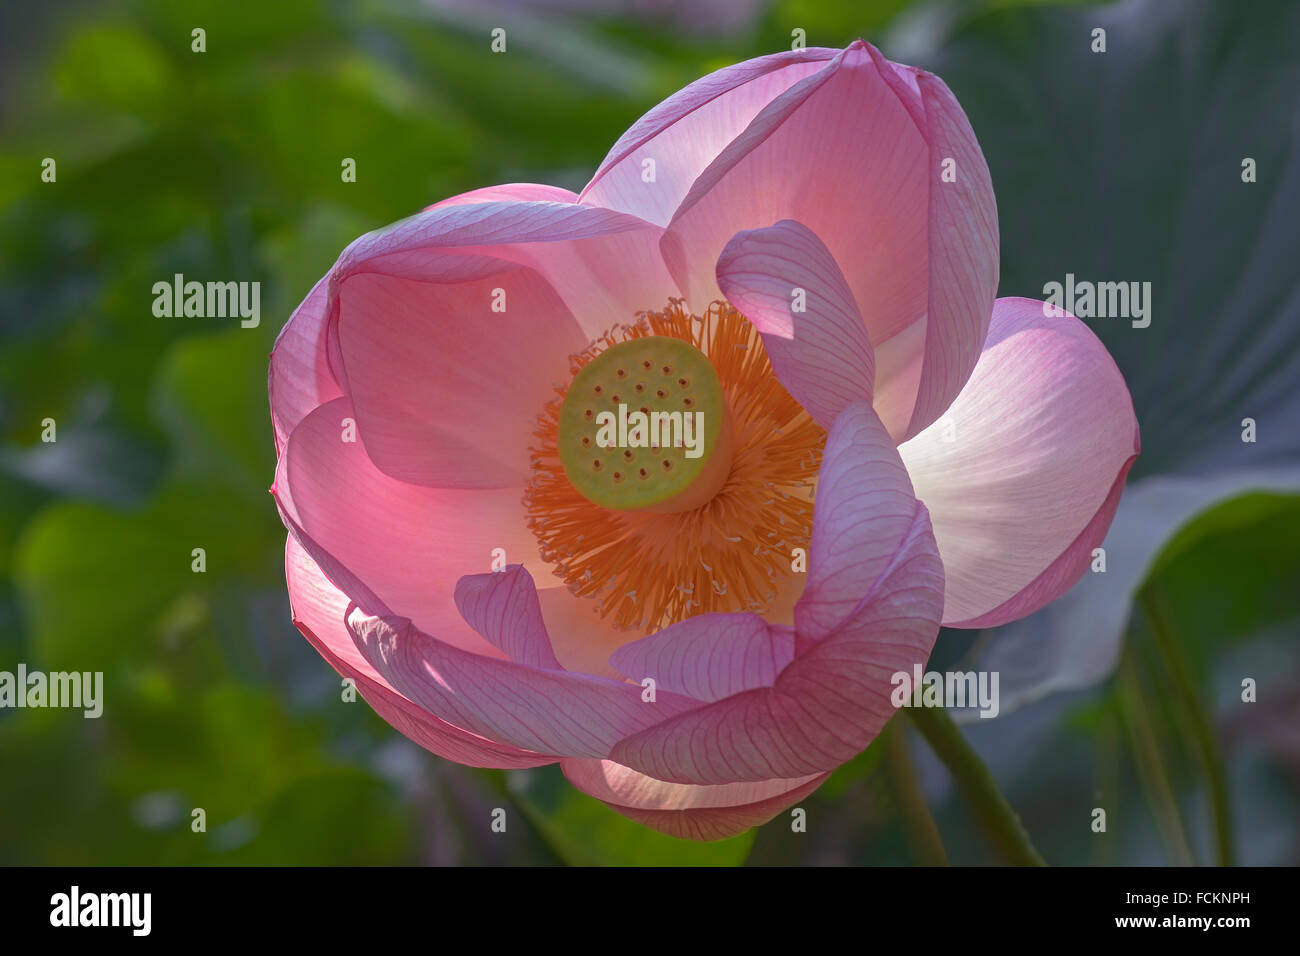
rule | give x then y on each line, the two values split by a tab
649	570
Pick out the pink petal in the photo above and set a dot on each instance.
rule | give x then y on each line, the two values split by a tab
1061	574
519	192
710	656
547	711
685	810
581	251
581	638
847	152
833	698
318	612
299	379
503	607
822	355
1022	473
409	544
685	132
963	241
864	514
447	377
446	392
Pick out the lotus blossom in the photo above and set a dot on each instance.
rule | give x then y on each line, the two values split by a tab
811	234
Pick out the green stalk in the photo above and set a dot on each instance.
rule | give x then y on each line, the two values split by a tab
1207	746
918	825
990	807
1151	766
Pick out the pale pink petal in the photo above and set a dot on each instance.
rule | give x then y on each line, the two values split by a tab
848	153
518	192
318	612
685	132
408	543
547	711
583	252
820	353
1021	471
963	240
446	390
709	656
451	328
581	638
1062	574
834	697
503	607
864	513
687	811
299	378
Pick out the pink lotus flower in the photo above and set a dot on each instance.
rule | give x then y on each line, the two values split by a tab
678	662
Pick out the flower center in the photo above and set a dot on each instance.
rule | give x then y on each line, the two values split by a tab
644	425
673	475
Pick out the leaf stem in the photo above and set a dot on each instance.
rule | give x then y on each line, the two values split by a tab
1152	775
918	825
1207	746
969	772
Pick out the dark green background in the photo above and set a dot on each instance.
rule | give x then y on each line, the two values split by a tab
225	165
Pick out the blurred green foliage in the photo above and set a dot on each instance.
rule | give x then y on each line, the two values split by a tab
226	164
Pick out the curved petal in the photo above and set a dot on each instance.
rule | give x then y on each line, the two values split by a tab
517	192
446	387
865	514
408	543
834	697
503	607
453	326
299	377
1062	573
684	133
855	153
1022	473
581	251
785	281
547	711
710	656
685	810
963	241
318	612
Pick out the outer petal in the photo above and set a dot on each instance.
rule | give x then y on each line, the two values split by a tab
410	544
684	133
318	612
574	715
549	711
685	810
855	153
517	192
1023	473
963	241
833	698
865	514
452	326
821	354
300	378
